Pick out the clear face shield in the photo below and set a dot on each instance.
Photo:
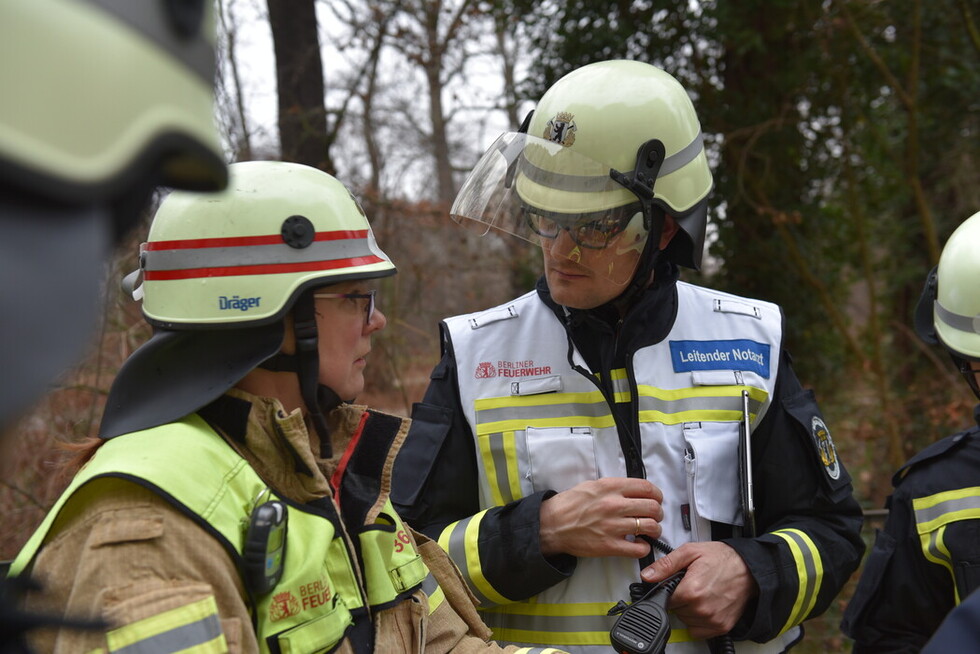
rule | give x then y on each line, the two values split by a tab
547	194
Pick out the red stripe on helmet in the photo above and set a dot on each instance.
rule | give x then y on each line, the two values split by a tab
245	241
266	269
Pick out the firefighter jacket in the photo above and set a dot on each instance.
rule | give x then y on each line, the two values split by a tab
159	536
926	560
531	399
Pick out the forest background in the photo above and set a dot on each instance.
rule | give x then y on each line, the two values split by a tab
843	134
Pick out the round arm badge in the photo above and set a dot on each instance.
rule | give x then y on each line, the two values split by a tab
825	447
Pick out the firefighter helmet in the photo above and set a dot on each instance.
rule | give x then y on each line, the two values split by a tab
221	271
949	309
609	146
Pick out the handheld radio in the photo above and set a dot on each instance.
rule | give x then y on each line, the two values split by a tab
265	547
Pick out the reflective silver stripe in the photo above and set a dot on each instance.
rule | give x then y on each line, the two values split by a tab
808	584
149	18
429	584
457	552
700	403
932	548
253	255
177	639
541	412
600	183
941	512
682	157
956	321
500	464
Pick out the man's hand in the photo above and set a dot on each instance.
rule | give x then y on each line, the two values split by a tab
594	518
714	591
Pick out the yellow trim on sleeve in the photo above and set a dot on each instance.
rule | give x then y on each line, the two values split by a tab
194	628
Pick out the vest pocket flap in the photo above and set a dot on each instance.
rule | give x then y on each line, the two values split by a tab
713	461
727	378
319	634
550	384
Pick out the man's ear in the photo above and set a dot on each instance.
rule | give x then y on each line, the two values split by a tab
668	232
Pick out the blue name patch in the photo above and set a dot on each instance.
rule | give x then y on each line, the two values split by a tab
739	354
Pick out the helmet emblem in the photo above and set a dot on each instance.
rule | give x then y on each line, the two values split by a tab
561	129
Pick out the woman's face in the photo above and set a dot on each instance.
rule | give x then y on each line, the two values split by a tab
344	336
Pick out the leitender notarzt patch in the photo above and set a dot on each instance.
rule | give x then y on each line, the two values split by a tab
737	354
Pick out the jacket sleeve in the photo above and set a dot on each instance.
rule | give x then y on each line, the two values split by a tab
435	490
808	521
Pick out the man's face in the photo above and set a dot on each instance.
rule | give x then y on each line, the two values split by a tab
573	278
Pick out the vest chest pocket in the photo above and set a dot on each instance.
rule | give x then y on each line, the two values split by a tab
711	460
560	457
319	634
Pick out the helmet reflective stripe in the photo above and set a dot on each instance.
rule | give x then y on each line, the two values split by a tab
956	321
236	258
599	183
255	255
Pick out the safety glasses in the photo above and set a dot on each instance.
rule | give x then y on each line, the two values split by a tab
368	306
592	230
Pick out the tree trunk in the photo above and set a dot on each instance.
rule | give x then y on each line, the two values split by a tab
299	74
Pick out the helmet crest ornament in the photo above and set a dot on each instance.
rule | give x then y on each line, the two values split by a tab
561	129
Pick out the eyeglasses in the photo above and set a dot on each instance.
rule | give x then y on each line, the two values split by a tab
368	307
591	230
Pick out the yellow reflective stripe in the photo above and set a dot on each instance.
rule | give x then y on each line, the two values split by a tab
499	454
698	403
809	570
577	623
690	416
513	476
436	599
515	413
545	399
595	422
934	549
461	541
486	445
620	386
943	508
193	628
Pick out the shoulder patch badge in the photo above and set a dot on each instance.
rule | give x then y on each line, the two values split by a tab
825	447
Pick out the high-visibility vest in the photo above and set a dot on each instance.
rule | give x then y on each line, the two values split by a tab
540	424
318	599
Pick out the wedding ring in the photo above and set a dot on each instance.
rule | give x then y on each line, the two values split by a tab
636	531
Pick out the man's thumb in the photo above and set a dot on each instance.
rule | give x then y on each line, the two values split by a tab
664	567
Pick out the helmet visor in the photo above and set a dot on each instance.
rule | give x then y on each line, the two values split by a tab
567	203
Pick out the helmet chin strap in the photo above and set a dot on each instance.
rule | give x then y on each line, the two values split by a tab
319	399
640	181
